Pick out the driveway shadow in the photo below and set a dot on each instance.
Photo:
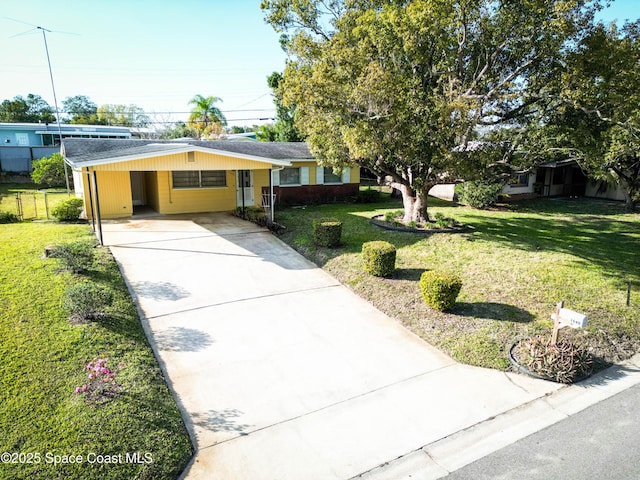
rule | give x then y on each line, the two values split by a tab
221	421
493	311
182	339
160	290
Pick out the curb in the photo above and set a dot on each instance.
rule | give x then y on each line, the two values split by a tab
438	459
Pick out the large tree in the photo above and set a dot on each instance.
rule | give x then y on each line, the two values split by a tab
397	85
80	109
597	116
32	109
122	115
284	129
206	118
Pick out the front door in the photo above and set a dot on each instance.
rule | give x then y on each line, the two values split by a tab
244	188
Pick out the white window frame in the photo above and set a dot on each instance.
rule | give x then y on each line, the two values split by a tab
303	177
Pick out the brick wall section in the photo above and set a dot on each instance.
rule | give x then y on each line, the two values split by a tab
313	194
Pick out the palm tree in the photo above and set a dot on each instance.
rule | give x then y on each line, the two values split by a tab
205	117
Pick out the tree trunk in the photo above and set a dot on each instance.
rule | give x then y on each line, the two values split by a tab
630	203
415	205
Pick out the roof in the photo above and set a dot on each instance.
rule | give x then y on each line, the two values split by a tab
91	152
558	163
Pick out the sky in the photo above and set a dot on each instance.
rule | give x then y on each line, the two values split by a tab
156	54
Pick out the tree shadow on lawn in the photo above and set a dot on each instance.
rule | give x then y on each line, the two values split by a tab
493	311
607	243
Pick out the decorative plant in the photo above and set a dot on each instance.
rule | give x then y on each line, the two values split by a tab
86	302
327	232
69	210
564	362
101	382
77	257
379	258
440	289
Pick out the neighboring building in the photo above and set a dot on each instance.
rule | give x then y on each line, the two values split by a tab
21	143
552	179
171	176
47	134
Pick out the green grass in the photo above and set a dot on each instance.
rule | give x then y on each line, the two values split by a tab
34	203
42	357
516	263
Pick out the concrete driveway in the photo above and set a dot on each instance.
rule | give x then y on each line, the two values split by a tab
280	371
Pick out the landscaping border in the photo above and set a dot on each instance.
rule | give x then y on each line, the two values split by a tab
386	226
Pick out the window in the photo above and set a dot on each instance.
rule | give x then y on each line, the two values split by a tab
290	176
330	177
213	178
22	138
521	180
199	178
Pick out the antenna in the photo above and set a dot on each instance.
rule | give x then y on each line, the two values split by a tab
55	102
55	99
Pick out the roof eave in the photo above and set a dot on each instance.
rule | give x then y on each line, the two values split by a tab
172	151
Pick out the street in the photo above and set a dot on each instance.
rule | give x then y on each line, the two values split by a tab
601	442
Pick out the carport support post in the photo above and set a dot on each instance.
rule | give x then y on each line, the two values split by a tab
93	216
242	187
95	185
271	195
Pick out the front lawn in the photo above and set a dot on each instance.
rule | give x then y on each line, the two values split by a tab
516	263
137	434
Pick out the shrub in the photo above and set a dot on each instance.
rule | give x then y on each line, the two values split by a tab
379	258
440	289
565	362
86	302
101	385
370	195
479	194
8	217
69	210
327	232
49	171
77	257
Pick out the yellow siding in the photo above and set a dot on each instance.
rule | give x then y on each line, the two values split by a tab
180	161
194	200
114	191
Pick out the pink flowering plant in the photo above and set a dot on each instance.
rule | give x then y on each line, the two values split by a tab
101	385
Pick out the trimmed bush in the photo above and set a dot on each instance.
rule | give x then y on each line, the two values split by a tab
8	217
86	302
379	258
69	210
478	194
440	289
78	257
327	232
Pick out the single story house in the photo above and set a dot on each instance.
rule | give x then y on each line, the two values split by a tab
115	177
